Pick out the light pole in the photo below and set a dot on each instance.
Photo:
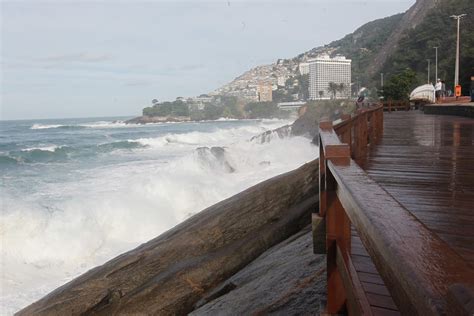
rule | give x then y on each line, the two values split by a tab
436	58
456	69
381	80
429	63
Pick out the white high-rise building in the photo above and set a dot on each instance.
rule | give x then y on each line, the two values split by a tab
323	70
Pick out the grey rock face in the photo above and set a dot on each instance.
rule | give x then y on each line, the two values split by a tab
288	279
171	273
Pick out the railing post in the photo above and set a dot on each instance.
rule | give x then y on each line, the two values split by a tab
338	232
360	136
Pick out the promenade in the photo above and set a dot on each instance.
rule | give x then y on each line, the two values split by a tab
409	210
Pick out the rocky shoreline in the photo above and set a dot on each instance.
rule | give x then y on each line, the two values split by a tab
196	265
144	119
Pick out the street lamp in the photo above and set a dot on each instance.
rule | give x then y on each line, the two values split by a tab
456	69
429	63
436	58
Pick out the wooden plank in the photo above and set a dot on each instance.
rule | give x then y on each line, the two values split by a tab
415	264
357	302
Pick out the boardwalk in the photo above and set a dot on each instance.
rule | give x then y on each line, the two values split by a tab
399	214
426	162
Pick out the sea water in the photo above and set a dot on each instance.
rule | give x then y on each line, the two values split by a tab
77	192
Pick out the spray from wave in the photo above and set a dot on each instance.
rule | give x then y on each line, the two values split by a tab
113	208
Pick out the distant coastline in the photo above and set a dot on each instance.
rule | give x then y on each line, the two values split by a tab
145	119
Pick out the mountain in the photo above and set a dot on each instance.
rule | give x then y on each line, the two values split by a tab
437	28
387	45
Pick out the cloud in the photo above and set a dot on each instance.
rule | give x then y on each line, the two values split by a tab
79	57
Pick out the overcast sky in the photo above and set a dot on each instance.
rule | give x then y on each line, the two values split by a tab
108	58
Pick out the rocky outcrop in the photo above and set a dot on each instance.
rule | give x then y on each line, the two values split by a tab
288	279
171	273
157	119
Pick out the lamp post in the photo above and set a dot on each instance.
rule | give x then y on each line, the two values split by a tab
456	69
436	61
429	63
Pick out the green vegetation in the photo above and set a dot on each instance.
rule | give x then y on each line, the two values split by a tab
261	110
175	108
399	86
362	46
438	29
217	107
294	86
334	88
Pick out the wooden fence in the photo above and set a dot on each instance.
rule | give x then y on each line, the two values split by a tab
422	273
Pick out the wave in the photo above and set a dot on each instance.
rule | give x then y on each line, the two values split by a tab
127	144
53	153
98	125
114	208
41	126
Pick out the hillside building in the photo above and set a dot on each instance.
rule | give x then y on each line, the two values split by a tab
323	70
303	68
264	92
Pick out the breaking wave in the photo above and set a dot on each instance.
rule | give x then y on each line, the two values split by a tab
72	226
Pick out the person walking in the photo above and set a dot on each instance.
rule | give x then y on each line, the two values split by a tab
438	87
443	89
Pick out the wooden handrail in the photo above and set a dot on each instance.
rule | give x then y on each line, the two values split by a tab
417	267
415	264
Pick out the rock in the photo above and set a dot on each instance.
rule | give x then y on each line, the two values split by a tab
265	137
157	119
214	157
287	279
171	273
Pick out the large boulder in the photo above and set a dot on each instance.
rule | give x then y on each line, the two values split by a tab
171	273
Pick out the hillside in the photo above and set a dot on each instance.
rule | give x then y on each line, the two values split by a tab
386	45
437	29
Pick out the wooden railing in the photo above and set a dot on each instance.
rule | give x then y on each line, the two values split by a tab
422	273
390	106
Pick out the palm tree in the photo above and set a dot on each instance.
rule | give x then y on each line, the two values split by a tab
333	88
341	87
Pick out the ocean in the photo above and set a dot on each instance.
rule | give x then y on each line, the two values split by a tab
77	192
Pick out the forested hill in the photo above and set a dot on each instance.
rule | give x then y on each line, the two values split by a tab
437	29
394	43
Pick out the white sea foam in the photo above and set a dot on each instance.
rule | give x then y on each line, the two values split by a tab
114	208
50	148
45	126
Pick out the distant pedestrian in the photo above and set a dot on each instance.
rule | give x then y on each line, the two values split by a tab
443	89
438	88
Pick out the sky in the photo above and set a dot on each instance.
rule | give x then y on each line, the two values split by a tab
66	58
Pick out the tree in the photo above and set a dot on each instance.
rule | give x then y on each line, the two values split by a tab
154	101
321	93
261	109
333	88
399	86
341	87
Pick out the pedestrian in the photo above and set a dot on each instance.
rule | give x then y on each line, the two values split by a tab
438	88
443	89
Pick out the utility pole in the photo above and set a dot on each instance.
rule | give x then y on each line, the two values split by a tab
456	69
436	68
429	63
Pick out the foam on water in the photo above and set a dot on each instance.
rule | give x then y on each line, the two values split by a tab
113	208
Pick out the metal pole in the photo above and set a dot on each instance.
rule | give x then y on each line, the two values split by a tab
436	68
381	80
456	69
429	63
